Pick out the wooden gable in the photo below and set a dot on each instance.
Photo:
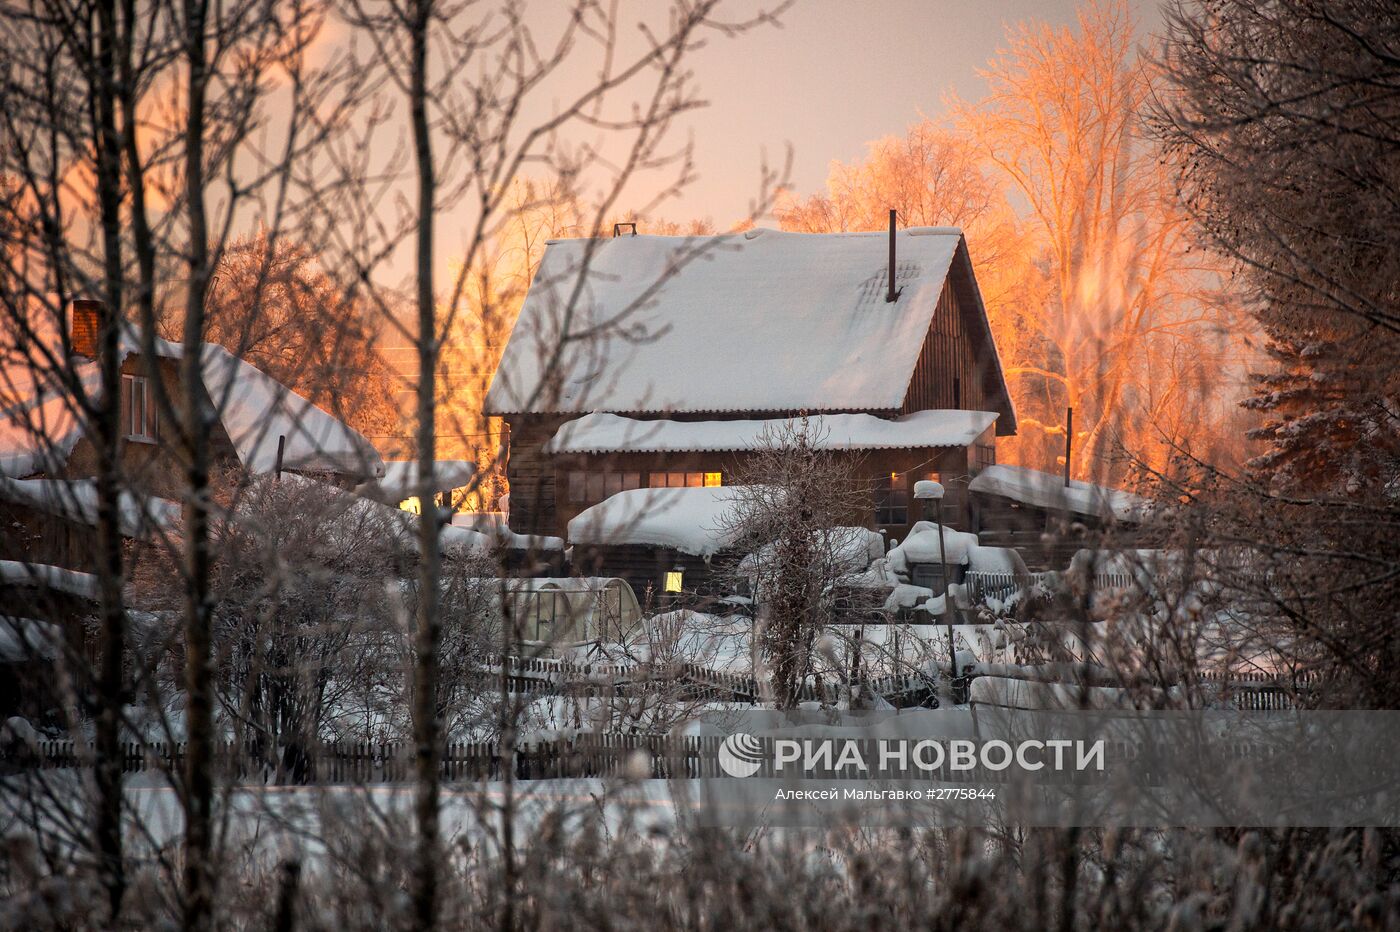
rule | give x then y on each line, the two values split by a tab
958	366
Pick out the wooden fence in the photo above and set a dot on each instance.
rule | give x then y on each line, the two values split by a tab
352	763
687	681
981	586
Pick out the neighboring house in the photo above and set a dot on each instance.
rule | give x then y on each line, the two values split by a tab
654	362
49	459
1047	519
258	419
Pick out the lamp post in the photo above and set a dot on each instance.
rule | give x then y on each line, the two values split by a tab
927	490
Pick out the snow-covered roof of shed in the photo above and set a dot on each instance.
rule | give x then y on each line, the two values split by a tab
756	321
612	433
1044	490
400	479
692	520
24	639
54	578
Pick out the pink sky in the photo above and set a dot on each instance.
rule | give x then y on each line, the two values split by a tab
839	74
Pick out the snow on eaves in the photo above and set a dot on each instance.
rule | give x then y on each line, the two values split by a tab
756	321
694	521
400	479
1044	490
612	433
55	578
256	410
76	500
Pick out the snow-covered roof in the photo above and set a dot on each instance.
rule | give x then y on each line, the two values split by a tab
24	639
76	499
38	429
693	521
961	547
256	409
1044	490
755	321
612	433
922	546
56	578
495	524
400	479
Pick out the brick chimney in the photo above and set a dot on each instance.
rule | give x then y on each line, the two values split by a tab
84	326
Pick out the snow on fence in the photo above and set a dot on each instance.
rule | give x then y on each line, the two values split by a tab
582	755
548	676
1261	692
982	585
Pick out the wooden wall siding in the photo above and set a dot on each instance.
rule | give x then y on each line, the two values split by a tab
33	536
530	472
957	364
553	512
645	567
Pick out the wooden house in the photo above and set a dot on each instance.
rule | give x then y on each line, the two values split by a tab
652	362
49	458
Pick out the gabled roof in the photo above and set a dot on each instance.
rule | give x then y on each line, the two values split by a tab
756	321
39	429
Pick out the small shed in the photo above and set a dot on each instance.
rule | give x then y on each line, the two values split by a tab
666	539
1047	519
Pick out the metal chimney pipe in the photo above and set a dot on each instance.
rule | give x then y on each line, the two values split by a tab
892	295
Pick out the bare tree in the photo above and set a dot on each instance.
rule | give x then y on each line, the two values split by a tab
790	503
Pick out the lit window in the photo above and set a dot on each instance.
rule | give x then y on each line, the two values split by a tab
412	504
684	480
891	500
675	579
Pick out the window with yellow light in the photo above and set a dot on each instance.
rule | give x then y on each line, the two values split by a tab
675	579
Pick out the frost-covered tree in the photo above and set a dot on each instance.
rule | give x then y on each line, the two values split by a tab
274	306
1282	118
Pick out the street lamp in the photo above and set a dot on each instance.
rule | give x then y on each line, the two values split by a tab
928	490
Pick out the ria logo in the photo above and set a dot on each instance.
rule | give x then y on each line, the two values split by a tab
741	755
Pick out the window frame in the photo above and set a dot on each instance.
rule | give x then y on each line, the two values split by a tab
891	497
685	479
143	429
588	487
